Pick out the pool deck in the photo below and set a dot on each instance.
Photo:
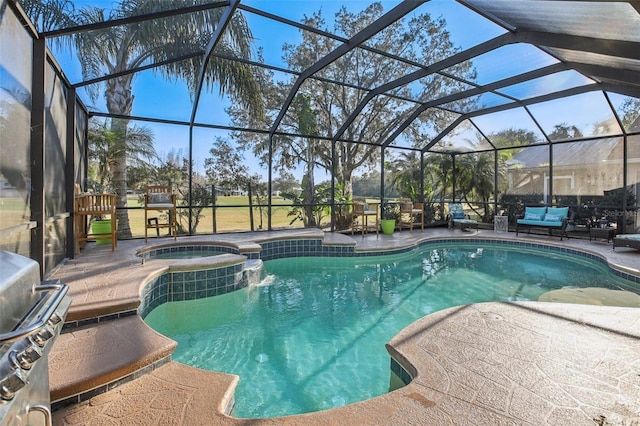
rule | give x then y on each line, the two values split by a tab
489	363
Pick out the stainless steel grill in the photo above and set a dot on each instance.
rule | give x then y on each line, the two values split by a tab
31	316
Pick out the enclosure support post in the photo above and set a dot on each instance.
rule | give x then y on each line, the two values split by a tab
38	154
381	175
625	193
453	178
495	182
269	186
421	177
253	228
550	193
69	172
333	185
190	177
213	196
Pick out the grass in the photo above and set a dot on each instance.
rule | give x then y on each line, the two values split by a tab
232	215
13	211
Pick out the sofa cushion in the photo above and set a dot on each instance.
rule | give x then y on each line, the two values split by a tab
159	198
535	210
457	215
562	211
629	237
542	223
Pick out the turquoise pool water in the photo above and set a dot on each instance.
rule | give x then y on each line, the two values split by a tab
311	336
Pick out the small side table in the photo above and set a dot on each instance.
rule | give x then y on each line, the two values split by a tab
501	223
607	233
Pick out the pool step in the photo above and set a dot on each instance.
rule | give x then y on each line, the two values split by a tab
172	394
89	360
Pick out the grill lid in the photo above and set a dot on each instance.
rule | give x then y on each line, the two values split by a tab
19	275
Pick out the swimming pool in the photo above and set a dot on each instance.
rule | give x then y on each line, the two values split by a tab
312	335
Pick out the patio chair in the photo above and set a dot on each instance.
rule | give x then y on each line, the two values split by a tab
94	207
360	217
160	198
458	219
408	210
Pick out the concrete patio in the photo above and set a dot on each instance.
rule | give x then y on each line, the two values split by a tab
491	363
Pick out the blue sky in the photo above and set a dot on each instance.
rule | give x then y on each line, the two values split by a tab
151	92
169	100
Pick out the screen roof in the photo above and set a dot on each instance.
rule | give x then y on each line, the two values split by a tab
491	66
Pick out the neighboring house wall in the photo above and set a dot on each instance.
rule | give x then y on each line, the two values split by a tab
574	170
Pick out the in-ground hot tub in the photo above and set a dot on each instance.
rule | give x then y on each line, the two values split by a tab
185	251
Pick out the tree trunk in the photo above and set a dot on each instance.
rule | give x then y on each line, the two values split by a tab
343	215
120	101
309	188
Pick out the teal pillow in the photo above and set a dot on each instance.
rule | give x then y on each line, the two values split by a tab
536	210
560	211
553	218
532	216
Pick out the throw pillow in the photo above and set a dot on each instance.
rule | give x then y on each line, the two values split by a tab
457	215
532	216
160	198
553	218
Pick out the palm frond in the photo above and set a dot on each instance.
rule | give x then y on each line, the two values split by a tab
48	15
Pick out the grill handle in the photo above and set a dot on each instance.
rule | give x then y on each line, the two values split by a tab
45	308
46	412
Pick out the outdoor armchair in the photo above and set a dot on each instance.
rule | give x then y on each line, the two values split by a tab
160	198
360	217
458	219
409	210
94	207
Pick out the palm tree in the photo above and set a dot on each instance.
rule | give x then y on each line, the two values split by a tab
407	174
118	49
438	176
104	149
475	179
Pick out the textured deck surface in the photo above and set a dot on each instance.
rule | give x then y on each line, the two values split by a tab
493	363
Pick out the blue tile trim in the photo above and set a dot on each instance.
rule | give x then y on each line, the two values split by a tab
68	326
296	248
299	248
190	285
537	246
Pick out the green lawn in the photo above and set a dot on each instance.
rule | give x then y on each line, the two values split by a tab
232	215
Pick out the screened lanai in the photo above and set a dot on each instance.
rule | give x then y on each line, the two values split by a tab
271	115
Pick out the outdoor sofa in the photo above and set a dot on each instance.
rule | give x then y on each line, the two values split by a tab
544	217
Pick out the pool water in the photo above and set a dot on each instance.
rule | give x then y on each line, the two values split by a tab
312	335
